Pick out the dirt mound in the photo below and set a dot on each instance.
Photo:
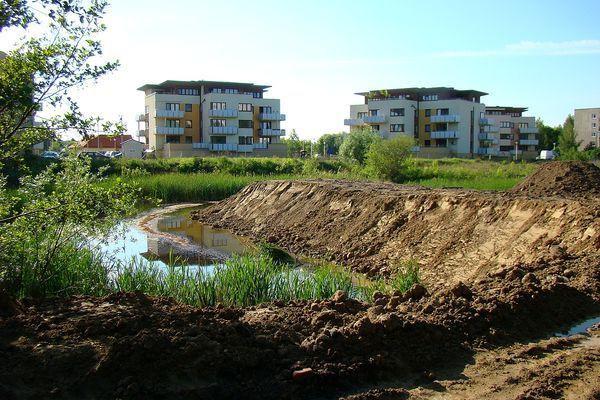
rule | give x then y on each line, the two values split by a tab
562	178
455	235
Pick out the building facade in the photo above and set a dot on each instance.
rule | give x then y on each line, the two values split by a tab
444	121
508	133
587	127
188	118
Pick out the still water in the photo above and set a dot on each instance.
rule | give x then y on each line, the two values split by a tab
171	236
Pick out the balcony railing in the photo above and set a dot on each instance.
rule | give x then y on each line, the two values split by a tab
275	116
224	113
529	142
223	147
224	130
444	135
506	142
487	151
261	146
374	119
491	129
142	117
142	132
529	130
354	122
272	132
486	137
168	114
168	130
445	118
487	121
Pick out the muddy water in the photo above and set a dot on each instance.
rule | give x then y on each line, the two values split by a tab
170	236
580	328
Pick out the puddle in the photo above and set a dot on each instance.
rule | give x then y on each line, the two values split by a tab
579	328
169	235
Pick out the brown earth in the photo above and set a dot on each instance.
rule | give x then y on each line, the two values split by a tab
562	178
503	272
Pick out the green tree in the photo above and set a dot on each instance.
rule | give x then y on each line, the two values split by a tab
43	69
329	143
567	140
548	136
390	159
356	145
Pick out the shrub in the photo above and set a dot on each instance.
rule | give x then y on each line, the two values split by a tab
390	159
355	146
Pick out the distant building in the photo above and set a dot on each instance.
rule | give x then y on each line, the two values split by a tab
103	143
444	121
587	127
506	131
132	148
197	118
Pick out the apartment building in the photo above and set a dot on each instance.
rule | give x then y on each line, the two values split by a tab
587	127
444	121
508	133
199	118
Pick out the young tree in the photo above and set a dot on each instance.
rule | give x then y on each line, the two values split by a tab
548	136
389	159
567	140
329	143
43	69
357	143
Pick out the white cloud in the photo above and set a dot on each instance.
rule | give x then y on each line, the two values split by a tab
530	48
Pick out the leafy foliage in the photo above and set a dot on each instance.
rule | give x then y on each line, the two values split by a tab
356	145
390	159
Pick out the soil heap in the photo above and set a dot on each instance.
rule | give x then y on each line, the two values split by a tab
562	178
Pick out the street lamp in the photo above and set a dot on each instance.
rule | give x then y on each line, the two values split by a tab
516	150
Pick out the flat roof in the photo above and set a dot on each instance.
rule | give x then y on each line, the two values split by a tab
416	91
197	84
506	108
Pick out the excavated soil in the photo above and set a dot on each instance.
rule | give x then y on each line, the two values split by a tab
562	178
502	273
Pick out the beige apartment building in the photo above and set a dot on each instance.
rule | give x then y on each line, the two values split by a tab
445	122
587	127
509	133
200	118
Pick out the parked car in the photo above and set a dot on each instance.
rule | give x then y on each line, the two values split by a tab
113	154
50	154
93	155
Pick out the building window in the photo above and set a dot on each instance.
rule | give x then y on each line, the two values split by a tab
373	113
506	124
188	108
427	128
172	106
396	127
218	139
218	105
442	111
172	139
245	107
172	123
593	116
245	123
593	134
506	136
146	110
361	114
265	125
188	139
188	92
188	123
397	112
375	127
245	140
266	109
593	125
523	125
217	122
442	126
430	97
427	112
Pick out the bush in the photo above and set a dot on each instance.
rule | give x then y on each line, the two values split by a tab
355	146
390	159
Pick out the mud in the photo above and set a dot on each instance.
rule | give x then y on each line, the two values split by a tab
562	178
503	273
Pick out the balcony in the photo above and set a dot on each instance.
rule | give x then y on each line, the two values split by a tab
272	132
142	132
528	142
486	137
142	118
271	116
444	135
487	121
492	151
223	130
223	147
528	130
168	114
261	146
354	122
374	119
506	142
168	130
245	148
224	113
445	118
491	129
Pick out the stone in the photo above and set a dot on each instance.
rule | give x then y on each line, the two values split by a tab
416	292
339	296
302	373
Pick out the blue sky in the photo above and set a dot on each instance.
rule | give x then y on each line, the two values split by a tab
544	55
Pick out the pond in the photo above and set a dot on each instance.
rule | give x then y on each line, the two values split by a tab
170	236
